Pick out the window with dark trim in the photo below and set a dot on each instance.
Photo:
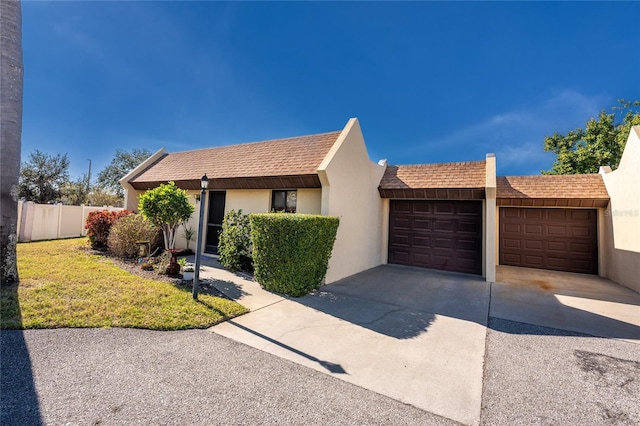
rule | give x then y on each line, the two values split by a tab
284	201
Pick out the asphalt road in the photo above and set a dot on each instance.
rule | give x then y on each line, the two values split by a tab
543	376
125	376
533	375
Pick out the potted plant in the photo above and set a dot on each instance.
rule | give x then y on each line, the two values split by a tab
188	270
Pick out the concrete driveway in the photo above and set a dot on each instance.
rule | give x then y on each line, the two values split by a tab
416	336
566	301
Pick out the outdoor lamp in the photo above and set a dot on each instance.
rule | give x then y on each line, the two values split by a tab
204	183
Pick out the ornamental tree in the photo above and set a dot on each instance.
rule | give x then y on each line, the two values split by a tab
166	206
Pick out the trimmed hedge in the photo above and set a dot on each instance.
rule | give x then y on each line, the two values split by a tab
291	251
234	245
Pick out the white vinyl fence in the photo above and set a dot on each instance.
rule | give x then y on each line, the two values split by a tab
53	221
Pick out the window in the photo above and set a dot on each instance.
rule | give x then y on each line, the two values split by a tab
284	201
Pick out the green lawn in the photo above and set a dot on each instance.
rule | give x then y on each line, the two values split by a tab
64	285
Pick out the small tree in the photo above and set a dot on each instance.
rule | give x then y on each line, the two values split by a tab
166	206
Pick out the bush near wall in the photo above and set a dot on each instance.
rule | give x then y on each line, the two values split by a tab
234	246
127	232
291	251
99	223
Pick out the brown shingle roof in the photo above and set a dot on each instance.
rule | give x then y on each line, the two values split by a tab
471	174
552	191
268	159
465	181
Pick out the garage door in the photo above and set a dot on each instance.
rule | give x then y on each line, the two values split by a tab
557	239
443	235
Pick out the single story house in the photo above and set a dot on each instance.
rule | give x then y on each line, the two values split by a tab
457	217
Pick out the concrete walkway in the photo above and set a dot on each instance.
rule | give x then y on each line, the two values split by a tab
422	344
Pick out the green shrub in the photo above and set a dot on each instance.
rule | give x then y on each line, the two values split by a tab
234	246
127	232
291	251
98	225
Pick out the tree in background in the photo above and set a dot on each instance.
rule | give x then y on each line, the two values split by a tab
11	85
101	197
600	144
121	164
75	192
166	206
43	177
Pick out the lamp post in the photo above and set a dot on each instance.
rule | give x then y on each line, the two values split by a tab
204	183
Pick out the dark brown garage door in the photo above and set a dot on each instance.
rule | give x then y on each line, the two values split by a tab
557	239
443	235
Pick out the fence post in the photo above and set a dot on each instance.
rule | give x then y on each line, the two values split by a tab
59	206
19	221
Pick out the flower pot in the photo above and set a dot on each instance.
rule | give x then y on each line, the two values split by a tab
187	276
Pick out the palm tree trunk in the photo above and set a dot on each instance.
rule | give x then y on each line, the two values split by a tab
11	70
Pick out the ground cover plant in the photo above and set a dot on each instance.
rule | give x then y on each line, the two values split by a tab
63	283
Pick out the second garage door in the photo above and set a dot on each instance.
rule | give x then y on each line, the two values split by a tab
443	235
557	239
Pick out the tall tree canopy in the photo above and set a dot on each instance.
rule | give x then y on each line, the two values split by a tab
121	164
601	143
43	177
11	85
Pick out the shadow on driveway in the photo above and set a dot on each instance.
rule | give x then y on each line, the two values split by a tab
18	397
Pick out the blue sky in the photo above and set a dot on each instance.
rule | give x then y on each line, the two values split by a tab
429	81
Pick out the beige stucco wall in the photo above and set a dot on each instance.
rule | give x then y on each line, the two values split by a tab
490	221
620	224
248	200
350	191
309	201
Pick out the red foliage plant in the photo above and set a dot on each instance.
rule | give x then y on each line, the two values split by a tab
98	225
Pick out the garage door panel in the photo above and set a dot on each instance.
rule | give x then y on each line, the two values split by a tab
421	225
511	243
442	235
420	242
557	215
512	228
401	240
580	231
533	229
532	244
556	246
531	214
577	247
556	230
557	239
444	225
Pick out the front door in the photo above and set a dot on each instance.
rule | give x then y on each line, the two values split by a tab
214	221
